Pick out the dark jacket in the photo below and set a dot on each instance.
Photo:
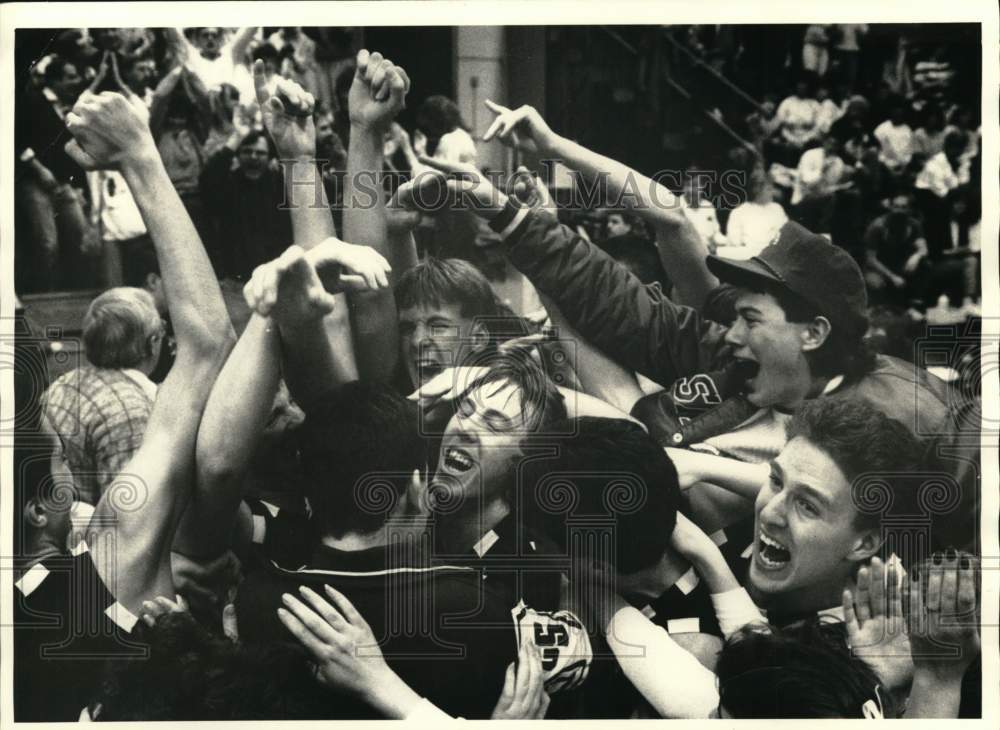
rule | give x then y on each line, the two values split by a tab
677	347
249	225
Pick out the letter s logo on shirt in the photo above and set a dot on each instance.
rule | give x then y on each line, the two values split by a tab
698	389
561	640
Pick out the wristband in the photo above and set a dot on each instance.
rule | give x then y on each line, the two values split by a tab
505	217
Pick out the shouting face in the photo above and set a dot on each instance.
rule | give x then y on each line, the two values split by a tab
772	347
480	446
806	538
432	338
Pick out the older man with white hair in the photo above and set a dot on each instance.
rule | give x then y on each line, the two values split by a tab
100	409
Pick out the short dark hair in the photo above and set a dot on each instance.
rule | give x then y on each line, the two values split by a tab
804	670
56	68
359	445
265	52
192	673
610	467
440	282
437	116
252	138
843	353
862	441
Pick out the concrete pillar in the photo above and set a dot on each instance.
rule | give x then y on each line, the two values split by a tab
480	57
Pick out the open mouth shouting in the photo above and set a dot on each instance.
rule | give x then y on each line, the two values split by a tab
771	554
457	460
427	369
746	371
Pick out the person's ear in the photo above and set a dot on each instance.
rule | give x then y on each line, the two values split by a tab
866	546
34	514
479	335
152	282
815	334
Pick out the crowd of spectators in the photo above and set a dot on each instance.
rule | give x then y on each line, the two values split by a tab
465	451
855	137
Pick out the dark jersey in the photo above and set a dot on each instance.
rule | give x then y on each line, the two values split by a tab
441	628
67	624
279	535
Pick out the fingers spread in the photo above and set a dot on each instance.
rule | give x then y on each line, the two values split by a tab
863	601
346	607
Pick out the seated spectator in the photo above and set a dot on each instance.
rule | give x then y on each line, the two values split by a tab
936	185
896	255
798	119
243	192
701	212
853	126
830	110
100	409
895	139
928	139
821	174
755	223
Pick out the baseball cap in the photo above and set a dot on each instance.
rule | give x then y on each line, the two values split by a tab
808	266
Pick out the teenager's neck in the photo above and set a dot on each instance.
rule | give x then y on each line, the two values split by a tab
654	581
801	601
41	546
461	532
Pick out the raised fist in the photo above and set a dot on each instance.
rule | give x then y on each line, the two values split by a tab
109	129
378	92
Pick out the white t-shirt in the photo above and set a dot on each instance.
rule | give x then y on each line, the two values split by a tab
754	225
896	143
799	119
940	178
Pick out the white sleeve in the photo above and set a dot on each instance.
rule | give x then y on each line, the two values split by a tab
734	227
735	609
426	711
645	652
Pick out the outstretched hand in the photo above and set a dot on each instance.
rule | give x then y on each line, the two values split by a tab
876	631
522	128
378	92
287	110
291	287
943	616
339	639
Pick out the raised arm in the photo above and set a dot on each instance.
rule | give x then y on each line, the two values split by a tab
681	248
137	516
377	94
636	325
318	353
230	430
240	44
161	96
